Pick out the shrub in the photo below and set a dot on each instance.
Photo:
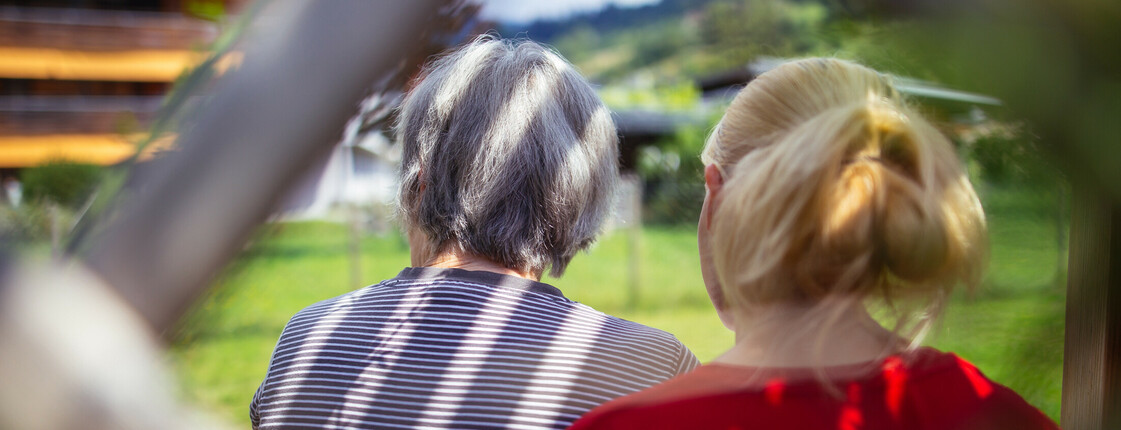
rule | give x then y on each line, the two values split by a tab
67	183
674	175
1011	157
27	223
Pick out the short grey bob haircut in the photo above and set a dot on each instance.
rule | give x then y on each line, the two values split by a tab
508	154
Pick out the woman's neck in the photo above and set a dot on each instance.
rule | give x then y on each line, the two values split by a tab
454	259
808	335
450	256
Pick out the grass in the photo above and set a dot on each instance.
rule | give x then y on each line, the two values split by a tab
1012	328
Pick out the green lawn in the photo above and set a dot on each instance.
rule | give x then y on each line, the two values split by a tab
1012	329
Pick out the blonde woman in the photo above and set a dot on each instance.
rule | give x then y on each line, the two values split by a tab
829	199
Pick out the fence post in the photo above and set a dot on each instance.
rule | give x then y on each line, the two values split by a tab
354	244
632	198
1092	354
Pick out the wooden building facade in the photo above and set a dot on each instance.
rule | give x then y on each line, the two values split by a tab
81	79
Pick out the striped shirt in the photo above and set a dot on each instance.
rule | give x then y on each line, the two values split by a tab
456	349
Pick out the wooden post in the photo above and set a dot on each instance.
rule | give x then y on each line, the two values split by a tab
633	194
354	245
1092	355
1061	210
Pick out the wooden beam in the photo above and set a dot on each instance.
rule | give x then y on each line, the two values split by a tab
1092	355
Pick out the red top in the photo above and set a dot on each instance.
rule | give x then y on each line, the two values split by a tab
927	389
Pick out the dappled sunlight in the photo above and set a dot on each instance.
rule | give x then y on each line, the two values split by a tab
773	391
462	354
895	379
981	387
249	102
850	417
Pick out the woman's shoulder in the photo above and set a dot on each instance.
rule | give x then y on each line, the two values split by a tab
922	389
671	404
944	385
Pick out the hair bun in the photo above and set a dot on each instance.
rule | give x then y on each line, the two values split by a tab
911	232
911	228
880	206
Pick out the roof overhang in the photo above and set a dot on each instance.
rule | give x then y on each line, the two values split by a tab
101	149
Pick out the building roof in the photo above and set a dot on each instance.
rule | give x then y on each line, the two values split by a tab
726	83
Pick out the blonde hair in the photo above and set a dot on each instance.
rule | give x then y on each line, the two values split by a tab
835	188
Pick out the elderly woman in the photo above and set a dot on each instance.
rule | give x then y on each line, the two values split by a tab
828	197
508	168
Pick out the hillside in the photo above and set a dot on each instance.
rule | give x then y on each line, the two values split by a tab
675	41
611	18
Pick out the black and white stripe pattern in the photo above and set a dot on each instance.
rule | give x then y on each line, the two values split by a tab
455	349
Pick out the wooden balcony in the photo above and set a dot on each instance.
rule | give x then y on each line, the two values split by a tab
100	45
39	115
99	130
102	30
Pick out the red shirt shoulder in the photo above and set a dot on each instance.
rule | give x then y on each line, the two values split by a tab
927	389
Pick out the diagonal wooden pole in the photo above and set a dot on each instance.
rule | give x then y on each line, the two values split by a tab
269	122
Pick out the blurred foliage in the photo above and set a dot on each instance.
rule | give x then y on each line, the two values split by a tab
689	39
210	10
739	31
575	42
876	45
673	175
1051	62
1006	156
27	223
645	93
657	42
66	183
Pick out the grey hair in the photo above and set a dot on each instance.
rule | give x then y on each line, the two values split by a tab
508	154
